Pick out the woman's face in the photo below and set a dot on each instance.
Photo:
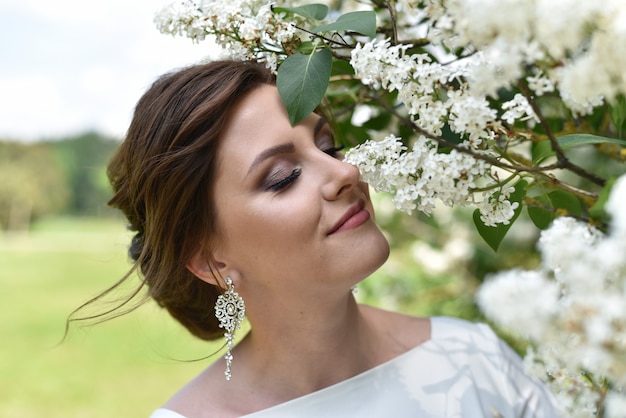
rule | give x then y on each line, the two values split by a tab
291	215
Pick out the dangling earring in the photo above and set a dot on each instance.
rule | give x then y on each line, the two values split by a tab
230	311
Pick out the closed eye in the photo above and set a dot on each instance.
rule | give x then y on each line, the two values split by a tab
284	182
335	151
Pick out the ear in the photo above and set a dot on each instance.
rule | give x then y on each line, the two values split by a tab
206	269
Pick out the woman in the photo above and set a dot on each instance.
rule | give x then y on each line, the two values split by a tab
236	209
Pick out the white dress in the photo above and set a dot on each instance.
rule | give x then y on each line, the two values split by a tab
463	370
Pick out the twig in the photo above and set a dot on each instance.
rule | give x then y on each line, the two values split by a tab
329	40
588	197
392	15
562	160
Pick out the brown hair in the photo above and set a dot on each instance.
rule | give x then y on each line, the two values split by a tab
162	177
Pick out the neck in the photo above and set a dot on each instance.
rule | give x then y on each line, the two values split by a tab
306	348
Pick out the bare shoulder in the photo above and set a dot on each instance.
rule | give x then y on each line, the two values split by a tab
203	397
406	330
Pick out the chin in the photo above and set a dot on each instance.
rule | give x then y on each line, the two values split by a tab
377	254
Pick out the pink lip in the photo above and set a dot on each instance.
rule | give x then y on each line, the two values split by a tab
355	215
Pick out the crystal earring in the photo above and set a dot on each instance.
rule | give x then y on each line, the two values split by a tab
230	311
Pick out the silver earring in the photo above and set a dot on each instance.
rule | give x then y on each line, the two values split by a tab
230	311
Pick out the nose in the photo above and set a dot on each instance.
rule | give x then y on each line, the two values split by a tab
339	178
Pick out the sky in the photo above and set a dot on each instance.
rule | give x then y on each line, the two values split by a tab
72	66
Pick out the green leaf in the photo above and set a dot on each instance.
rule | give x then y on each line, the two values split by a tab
541	217
313	11
560	201
363	22
302	81
597	210
565	201
493	235
341	67
543	150
569	141
306	48
378	123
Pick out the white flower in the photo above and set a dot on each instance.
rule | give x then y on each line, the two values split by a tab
496	208
585	326
540	84
245	29
574	92
495	67
565	242
524	301
518	109
377	63
615	405
419	177
615	207
577	35
471	116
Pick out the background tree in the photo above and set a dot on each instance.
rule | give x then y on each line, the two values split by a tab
52	178
83	160
31	184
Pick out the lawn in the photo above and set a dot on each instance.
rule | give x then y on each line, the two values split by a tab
122	368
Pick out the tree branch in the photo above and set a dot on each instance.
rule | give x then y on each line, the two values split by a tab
537	171
562	160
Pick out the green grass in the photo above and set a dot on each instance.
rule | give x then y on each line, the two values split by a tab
129	366
123	368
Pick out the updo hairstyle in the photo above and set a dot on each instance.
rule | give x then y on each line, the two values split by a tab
163	176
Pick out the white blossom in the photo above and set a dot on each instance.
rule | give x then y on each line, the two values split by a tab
471	116
245	29
578	35
540	84
615	207
420	177
615	405
518	109
577	320
495	208
381	65
532	290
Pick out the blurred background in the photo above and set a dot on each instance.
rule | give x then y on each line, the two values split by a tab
70	75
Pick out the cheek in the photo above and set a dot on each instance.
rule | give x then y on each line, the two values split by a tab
268	226
365	189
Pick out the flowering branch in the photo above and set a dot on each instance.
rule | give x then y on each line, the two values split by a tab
478	111
538	171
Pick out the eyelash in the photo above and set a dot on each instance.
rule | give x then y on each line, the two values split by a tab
334	150
296	173
281	184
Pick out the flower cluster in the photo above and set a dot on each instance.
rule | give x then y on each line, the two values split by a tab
551	38
418	81
420	177
568	40
448	177
245	29
574	308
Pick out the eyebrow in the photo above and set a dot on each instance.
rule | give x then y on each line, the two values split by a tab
285	148
319	125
